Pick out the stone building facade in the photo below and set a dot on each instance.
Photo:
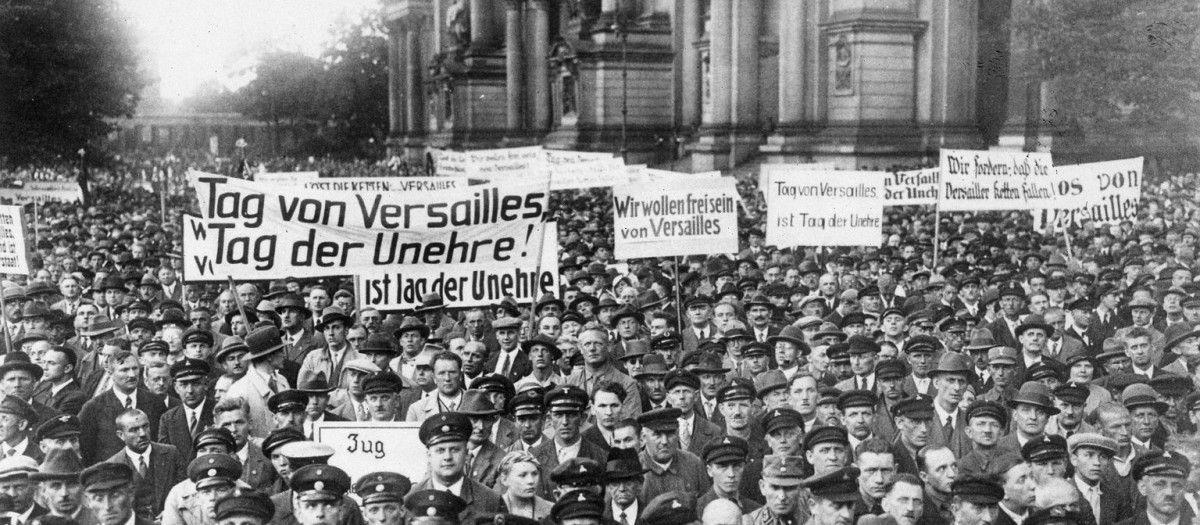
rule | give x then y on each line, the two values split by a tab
710	84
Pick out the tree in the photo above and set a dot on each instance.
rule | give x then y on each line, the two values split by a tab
289	88
356	67
1123	72
65	66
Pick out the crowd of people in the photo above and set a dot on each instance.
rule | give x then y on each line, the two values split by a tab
969	369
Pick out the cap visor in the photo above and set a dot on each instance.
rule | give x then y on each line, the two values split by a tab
783	482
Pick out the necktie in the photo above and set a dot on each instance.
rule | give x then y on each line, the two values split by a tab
623	520
862	383
128	402
273	385
142	465
504	367
1093	496
362	412
192	423
685	435
10	452
949	428
762	338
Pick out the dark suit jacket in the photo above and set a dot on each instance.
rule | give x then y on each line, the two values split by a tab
486	467
519	368
173	427
1114	506
167	467
905	463
717	417
703	433
958	442
69	400
257	470
506	433
593	435
33	450
1091	338
547	456
481	501
1002	335
98	422
691	342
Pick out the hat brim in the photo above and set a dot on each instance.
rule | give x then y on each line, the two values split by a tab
250	356
783	482
624	475
107	485
34	370
1160	406
425	331
783	338
337	317
1022	328
1052	410
54	476
617	318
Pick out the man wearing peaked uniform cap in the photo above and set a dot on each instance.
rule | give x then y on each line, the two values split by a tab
671	508
986	420
781	484
445	436
726	461
109	488
566	409
215	478
1161	478
581	507
248	508
180	425
434	507
300	455
976	500
382	495
316	491
670	468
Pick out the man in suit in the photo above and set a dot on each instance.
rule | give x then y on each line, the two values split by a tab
317	409
262	379
158	467
1089	453
58	388
179	425
98	417
1032	407
1084	327
695	432
712	373
16	429
483	456
920	350
623	484
1161	478
863	351
700	326
913	427
606	411
951	377
1059	345
446	437
331	358
58	483
298	337
233	414
18	378
447	376
1012	301
1140	349
759	310
566	405
510	360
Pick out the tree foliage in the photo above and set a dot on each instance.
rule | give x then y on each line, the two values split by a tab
1116	66
65	66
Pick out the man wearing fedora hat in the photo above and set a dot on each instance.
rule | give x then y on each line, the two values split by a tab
329	359
952	377
297	335
509	359
623	478
432	312
262	379
1032	407
483	456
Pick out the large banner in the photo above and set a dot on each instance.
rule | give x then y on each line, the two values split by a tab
996	180
401	287
252	231
680	217
812	166
823	208
373	184
1104	192
294	178
12	241
43	191
568	170
907	188
363	447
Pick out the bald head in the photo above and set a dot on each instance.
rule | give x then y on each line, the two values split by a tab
721	512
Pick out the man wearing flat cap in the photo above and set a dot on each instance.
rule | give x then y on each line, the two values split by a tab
1161	478
695	432
248	508
59	488
1090	455
15	482
986	421
179	426
913	423
670	468
446	436
109	492
382	495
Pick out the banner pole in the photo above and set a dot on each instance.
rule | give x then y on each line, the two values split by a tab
937	235
4	325
678	302
36	228
163	199
1067	237
241	307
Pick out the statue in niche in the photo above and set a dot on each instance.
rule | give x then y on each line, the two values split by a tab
569	107
458	24
842	72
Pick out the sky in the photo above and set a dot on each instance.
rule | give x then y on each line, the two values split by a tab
192	42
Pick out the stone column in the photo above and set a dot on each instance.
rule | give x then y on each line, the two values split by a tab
689	65
515	64
744	71
792	99
415	85
396	101
483	34
721	57
538	81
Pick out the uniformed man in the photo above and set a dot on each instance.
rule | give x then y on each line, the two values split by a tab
109	493
575	474
975	501
279	462
215	477
913	417
670	467
826	449
382	496
567	406
434	507
445	436
725	462
986	420
288	409
671	508
1161	477
249	508
318	493
780	485
528	409
183	502
1047	457
302	454
580	507
59	432
59	487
